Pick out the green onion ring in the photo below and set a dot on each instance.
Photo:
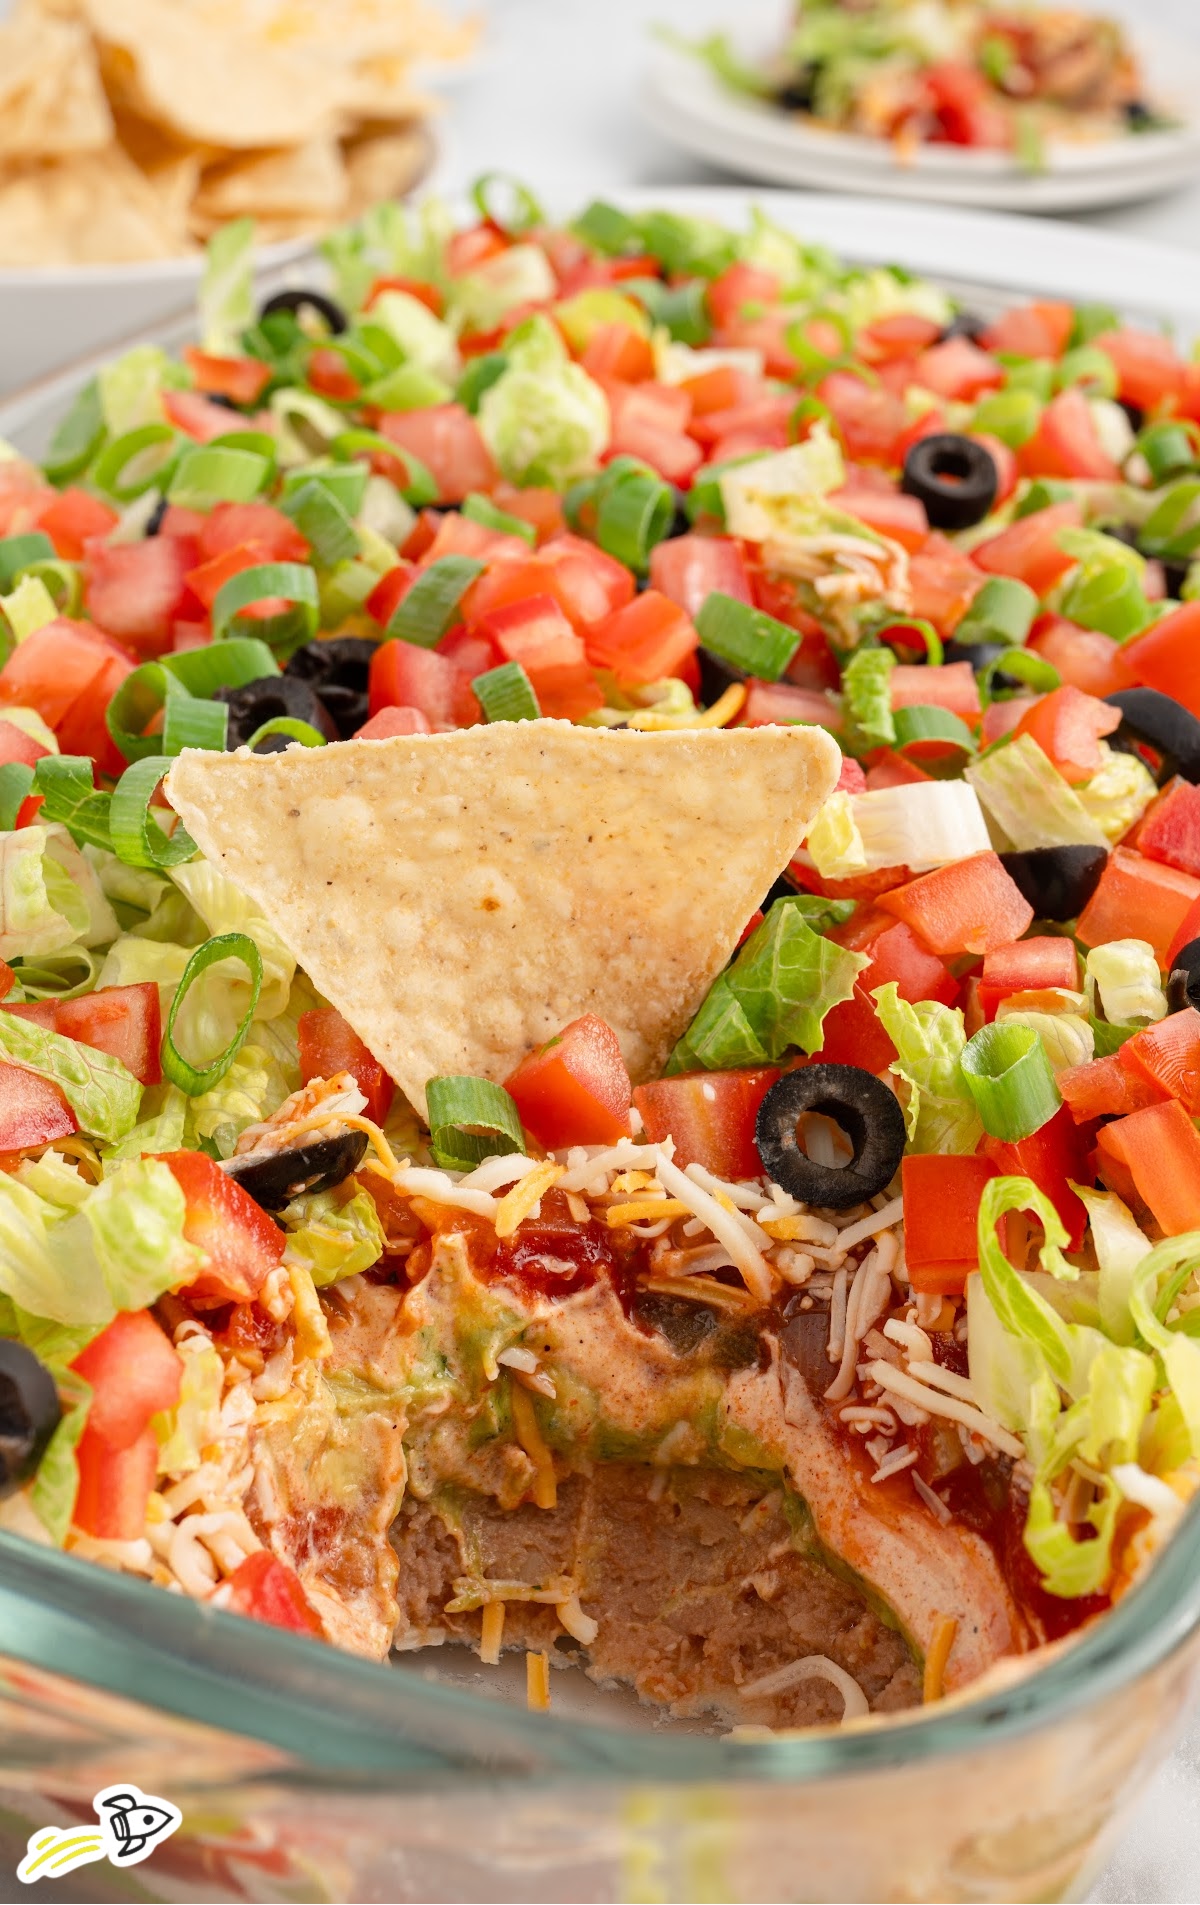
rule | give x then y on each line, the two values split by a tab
137	838
194	1079
471	1119
1008	1075
302	731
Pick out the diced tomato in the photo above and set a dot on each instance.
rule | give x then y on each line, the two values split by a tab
778	704
1139	895
1167	656
207	579
114	1486
1068	726
586	582
853	1034
740	285
765	416
241	1243
902	334
1031	965
575	1089
540	507
1154	1155
1054	1157
17	746
537	634
951	685
647	640
898	955
73	519
851	779
121	1020
942	1196
264	1588
1083	657
135	590
859	886
392	721
445	438
467	250
43	1012
966	109
188	523
958	370
1001	717
1167	1055
425	293
1170	831
327	1046
1029	549
1032	330
892	770
1187	930
8	977
711	1116
459	535
267	528
243	379
23	497
32	1110
1008	470
134	1372
390	590
944	582
971	906
722	388
687	569
197	417
618	353
888	511
869	418
1105	1088
674	456
68	672
1067	443
328	373
405	676
1149	369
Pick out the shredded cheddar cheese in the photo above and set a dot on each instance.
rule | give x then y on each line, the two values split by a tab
491	1633
545	1487
944	1632
645	1209
719	715
515	1206
537	1682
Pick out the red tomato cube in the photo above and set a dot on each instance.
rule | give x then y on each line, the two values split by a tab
241	1243
327	1046
576	1089
711	1116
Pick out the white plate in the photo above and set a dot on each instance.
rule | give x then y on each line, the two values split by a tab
688	105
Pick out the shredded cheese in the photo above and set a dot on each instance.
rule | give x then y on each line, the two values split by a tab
719	715
726	1227
579	1625
537	1682
812	1667
939	1405
701	1290
938	1653
475	1590
515	1206
545	1486
312	1339
644	1210
491	1633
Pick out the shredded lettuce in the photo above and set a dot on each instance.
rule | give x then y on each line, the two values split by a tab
867	700
774	996
131	388
544	420
520	275
1178	1260
922	825
770	498
1118	793
227	287
1030	801
422	337
1120	1246
1122	979
930	1040
334	1236
101	1091
225	909
56	1484
186	1430
1060	1019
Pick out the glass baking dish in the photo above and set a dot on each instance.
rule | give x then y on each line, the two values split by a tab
303	1773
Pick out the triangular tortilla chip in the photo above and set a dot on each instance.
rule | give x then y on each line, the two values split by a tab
461	897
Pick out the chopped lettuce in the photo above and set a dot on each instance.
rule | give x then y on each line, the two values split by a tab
867	700
1120	1246
422	337
161	1126
334	1236
774	996
1121	981
868	296
254	1086
804	271
56	1484
391	239
544	420
930	1040
770	498
225	909
1060	1019
1030	801
924	824
28	608
520	275
227	287
131	388
1118	793
101	1091
50	897
186	1430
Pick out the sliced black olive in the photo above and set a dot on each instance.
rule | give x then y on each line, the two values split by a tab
860	1104
716	675
337	671
798	94
1160	723
1137	417
1123	532
803	1342
1175	574
1183	986
681	522
306	300
966	324
780	889
1138	114
154	521
981	655
275	1179
221	400
954	477
1058	882
269	699
29	1413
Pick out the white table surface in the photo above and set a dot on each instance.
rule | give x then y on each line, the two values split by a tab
554	98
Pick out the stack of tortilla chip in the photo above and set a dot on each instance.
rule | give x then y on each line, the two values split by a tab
133	129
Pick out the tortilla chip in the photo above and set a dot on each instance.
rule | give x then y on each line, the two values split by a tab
93	209
305	181
51	100
461	897
386	166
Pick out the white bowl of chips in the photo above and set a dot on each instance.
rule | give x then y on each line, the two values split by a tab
130	130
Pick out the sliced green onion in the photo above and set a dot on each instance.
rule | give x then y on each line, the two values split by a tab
293	582
208	475
897	627
506	694
137	838
345	482
1009	1077
812	360
471	1119
420	487
78	436
192	723
140	697
230	663
323	523
745	637
16	785
67	784
61	581
606	228
302	731
370	351
921	722
61	975
134	448
1106	596
428	609
16	554
1109	1038
408	387
1003	611
1042	494
684	246
344	590
1172	531
1169	450
1093	368
517	211
1036	673
197	671
1011	415
481	509
194	1079
1029	373
1092	320
681	309
634	510
480	374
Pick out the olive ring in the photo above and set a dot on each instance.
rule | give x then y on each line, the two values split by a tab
865	1109
954	477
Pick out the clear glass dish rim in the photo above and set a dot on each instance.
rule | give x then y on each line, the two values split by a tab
122	1636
